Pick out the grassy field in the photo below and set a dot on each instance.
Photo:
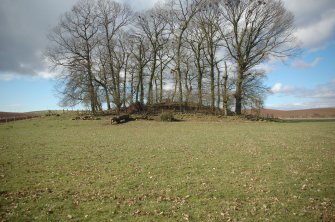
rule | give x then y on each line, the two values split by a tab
56	169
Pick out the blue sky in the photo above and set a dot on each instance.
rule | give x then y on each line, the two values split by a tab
304	82
26	83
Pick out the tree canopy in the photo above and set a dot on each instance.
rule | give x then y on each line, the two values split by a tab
202	52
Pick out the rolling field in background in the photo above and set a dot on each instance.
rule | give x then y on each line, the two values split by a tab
56	169
303	113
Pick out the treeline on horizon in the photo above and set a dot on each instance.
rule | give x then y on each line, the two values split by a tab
203	52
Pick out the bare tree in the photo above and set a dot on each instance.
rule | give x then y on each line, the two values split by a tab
73	42
152	25
112	18
72	89
188	68
196	43
254	31
165	56
210	26
141	54
127	53
111	55
180	16
102	76
255	91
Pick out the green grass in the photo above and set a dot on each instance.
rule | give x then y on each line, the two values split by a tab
55	169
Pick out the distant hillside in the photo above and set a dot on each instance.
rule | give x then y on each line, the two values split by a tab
305	113
9	116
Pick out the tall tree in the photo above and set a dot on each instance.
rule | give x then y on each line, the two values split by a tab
102	77
253	32
109	54
74	40
196	42
113	17
152	25
209	24
141	54
180	16
165	56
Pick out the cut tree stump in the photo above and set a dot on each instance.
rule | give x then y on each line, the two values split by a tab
120	119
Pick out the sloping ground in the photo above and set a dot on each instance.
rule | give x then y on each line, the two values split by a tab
306	113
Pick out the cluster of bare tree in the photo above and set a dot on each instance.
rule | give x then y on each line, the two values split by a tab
203	52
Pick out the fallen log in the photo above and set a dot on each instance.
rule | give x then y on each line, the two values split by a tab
120	119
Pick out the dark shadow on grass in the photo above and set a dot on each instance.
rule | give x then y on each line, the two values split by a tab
178	120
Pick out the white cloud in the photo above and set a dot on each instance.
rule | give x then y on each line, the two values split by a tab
272	64
308	11
280	88
308	104
140	4
288	106
317	34
315	21
326	90
301	64
47	75
321	96
267	67
7	77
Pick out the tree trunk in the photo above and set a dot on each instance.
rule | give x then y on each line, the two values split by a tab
175	88
238	93
156	91
90	85
132	88
225	90
118	92
111	67
141	87
161	83
107	98
212	87
187	96
92	100
125	83
153	70
179	71
137	90
199	90
218	87
199	70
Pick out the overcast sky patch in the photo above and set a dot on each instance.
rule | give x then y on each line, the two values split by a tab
25	24
315	22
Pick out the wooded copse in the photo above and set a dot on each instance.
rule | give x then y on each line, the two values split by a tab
202	52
